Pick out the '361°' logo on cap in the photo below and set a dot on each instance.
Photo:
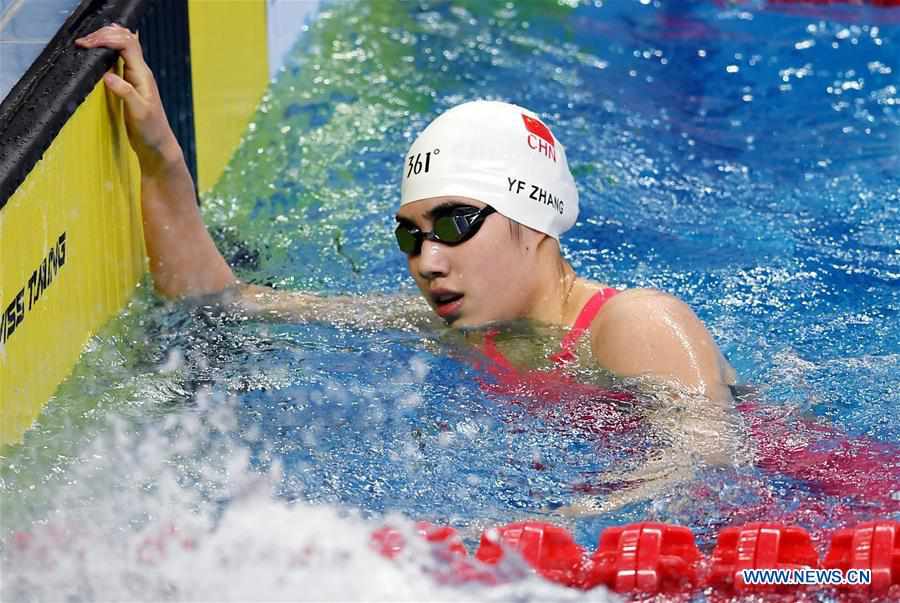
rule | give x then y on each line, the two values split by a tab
539	137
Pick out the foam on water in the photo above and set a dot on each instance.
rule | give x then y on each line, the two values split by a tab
177	511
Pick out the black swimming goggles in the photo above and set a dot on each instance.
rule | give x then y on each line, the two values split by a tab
457	225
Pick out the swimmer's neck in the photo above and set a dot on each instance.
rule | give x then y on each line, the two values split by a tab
559	302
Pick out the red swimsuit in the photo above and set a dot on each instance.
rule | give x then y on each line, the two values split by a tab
588	407
865	472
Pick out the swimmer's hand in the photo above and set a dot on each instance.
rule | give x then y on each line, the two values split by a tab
651	482
149	132
698	436
183	258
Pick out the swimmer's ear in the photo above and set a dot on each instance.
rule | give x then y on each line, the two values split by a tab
527	234
539	239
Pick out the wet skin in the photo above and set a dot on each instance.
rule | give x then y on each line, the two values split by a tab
498	277
493	276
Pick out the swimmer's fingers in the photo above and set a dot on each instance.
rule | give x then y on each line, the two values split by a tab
650	482
148	129
586	506
125	91
583	506
116	37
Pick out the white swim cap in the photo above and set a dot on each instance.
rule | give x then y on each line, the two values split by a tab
500	154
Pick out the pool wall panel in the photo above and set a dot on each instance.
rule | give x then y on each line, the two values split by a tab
229	60
87	189
85	180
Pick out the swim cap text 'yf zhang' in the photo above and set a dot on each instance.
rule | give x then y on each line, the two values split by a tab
500	154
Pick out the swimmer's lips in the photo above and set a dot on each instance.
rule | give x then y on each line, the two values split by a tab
447	303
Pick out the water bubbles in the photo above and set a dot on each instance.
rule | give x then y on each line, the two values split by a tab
410	401
879	68
419	367
446	439
174	361
468	428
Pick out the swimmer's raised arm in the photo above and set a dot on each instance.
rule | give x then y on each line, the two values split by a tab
184	260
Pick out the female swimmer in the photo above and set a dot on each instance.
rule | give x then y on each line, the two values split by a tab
486	193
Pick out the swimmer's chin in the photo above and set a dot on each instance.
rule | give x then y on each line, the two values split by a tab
474	326
458	322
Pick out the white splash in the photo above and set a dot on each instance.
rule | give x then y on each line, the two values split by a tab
177	512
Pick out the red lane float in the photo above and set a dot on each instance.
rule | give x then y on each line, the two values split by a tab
549	549
447	548
646	557
657	558
390	542
874	546
759	546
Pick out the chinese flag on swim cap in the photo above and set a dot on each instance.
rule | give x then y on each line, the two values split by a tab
538	129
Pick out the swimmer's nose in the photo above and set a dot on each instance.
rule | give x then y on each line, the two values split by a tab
433	261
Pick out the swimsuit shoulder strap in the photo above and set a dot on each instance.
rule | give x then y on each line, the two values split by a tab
582	324
489	349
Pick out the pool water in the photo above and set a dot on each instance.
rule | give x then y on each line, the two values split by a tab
741	156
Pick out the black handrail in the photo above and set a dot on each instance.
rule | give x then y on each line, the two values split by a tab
62	76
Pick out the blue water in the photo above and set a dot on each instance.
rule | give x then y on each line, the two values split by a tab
743	157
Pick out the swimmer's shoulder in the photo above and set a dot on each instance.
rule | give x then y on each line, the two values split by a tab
648	331
630	309
628	301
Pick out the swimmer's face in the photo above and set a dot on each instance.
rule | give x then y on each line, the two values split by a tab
486	278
